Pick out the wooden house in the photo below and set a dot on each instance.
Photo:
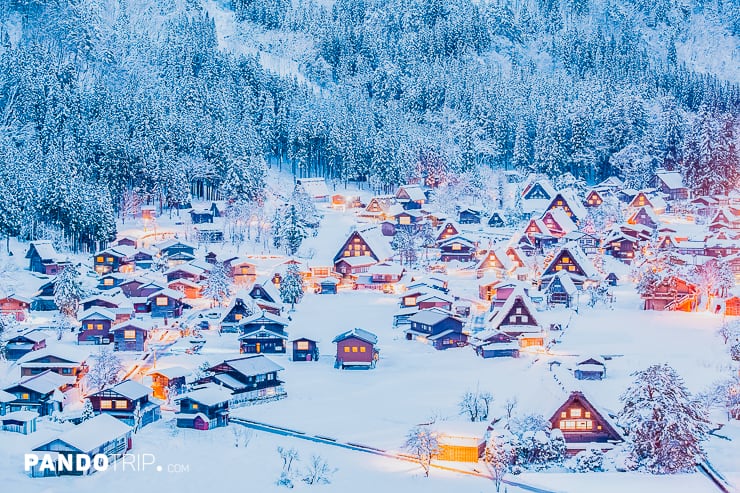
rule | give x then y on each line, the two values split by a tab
240	306
540	189
328	285
367	243
534	228
435	299
148	212
243	272
315	188
411	196
408	218
176	251
590	369
449	230
572	206
201	216
141	287
251	379
58	360
102	435
457	248
612	279
621	245
130	336
356	349
611	184
589	243
558	222
644	216
670	183
113	301
643	200
44	259
168	382
166	303
43	393
204	408
23	422
15	305
495	261
266	296
143	259
572	260
594	198
127	241
438	328
378	207
262	332
583	425
43	300
469	216
497	220
191	290
114	259
125	401
305	350
496	344
516	318
672	293
111	280
185	271
96	325
561	290
461	441
19	345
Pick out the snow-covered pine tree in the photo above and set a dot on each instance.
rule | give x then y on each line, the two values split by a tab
665	426
294	231
291	286
87	411
68	291
218	284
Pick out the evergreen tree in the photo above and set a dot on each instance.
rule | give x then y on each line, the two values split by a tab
68	291
291	286
218	284
294	231
87	411
664	425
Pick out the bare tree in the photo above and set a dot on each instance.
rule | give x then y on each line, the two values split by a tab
317	471
497	459
288	456
105	370
476	405
510	405
423	444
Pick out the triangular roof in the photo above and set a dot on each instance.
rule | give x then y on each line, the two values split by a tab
253	365
672	179
561	218
361	334
577	210
264	316
495	319
378	246
500	255
565	281
578	398
91	434
44	383
575	253
208	395
129	389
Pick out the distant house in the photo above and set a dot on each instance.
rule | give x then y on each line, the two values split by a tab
305	350
411	196
642	200
315	188
672	293
496	344
130	336
449	230
191	290
166	303
539	190
44	259
266	296
356	349
671	184
204	408
457	248
243	271
571	205
96	325
594	198
15	305
113	301
127	241
185	271
328	285
558	222
115	259
54	359
263	332
251	379
201	216
590	369
621	245
168	381
18	346
572	260
561	290
644	216
43	393
495	261
379	208
240	306
176	251
369	244
127	401
588	242
461	441
102	434
469	216
23	422
440	329
612	279
535	228
497	220
111	281
516	318
583	425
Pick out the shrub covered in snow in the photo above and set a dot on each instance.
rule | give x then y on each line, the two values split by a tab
588	461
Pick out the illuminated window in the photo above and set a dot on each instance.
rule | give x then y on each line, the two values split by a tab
346	349
244	270
110	259
106	404
346	253
90	326
404	220
108	281
98	326
558	267
194	405
100	260
302	345
575	413
129	334
238	316
363	349
565	260
587	414
24	397
456	246
354	349
572	268
563	414
162	301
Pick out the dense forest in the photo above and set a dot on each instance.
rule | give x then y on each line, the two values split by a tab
102	100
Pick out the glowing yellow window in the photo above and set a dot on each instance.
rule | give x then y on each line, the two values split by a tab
571	268
98	326
354	349
110	259
89	326
346	349
162	301
24	397
558	267
106	404
563	414
566	260
129	334
346	253
100	260
245	270
575	413
121	404
587	414
302	345
194	405
404	220
456	246
238	316
108	281
363	349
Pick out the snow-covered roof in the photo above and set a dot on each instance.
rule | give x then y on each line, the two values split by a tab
131	389
119	251
97	313
20	416
500	254
375	240
264	315
45	249
496	318
66	353
612	182
561	217
414	192
91	434
358	261
208	395
386	268
314	187
171	372
579	257
6	396
44	383
429	317
672	179
16	297
457	239
565	281
170	293
254	365
34	335
361	334
188	268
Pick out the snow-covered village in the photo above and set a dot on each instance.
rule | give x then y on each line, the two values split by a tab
378	245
